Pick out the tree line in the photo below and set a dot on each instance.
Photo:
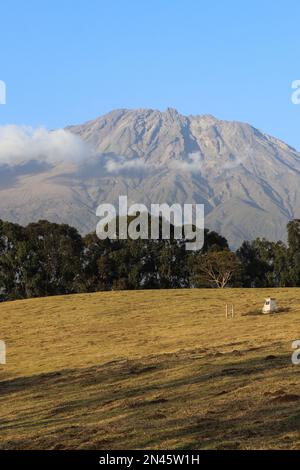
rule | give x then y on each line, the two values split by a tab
45	258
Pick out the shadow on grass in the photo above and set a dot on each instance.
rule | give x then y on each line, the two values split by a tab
142	395
258	313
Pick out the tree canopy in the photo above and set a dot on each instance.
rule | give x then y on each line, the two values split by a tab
45	258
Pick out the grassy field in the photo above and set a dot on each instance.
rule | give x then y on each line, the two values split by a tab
150	370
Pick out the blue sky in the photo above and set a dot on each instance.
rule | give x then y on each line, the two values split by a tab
69	61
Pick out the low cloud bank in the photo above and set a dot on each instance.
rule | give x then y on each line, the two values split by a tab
193	163
20	144
120	165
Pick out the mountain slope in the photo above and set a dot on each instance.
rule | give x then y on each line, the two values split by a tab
248	181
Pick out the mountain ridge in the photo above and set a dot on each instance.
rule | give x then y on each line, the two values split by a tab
247	179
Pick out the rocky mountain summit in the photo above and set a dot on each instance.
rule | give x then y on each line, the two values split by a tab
248	181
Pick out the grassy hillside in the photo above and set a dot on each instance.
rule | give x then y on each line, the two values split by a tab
150	369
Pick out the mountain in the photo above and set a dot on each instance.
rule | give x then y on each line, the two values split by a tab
248	181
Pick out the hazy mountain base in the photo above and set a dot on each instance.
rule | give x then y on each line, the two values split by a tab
248	181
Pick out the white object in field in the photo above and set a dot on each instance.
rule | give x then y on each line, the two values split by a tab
269	305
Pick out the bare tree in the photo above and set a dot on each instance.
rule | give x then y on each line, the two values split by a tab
218	267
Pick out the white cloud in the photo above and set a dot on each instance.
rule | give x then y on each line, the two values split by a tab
192	163
19	144
123	165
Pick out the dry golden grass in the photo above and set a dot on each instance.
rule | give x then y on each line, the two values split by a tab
150	369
